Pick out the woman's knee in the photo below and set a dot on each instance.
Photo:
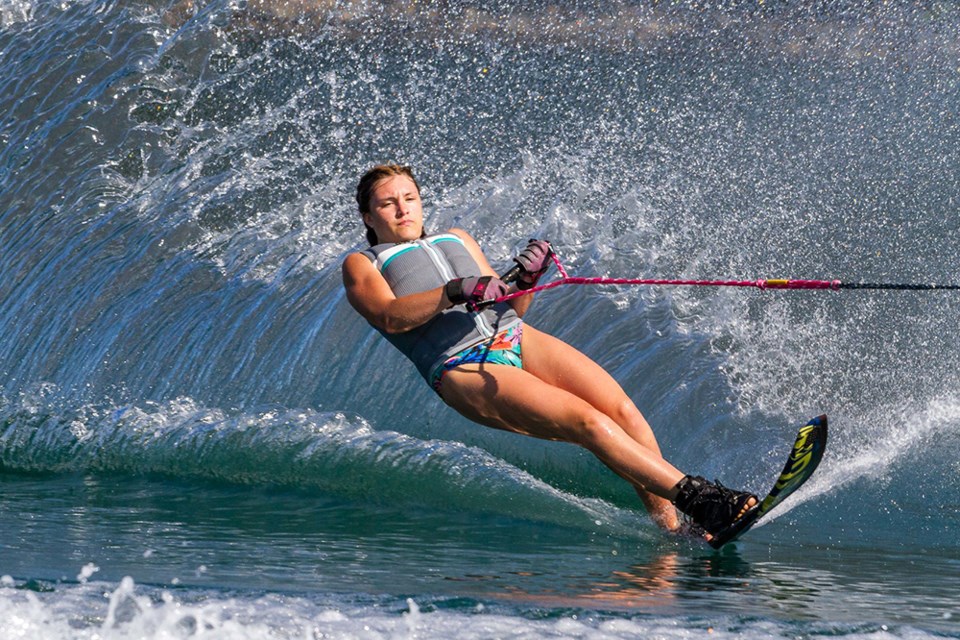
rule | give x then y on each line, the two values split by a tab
594	429
626	413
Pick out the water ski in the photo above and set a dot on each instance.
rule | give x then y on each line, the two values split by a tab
804	458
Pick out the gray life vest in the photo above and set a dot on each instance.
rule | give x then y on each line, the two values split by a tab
428	263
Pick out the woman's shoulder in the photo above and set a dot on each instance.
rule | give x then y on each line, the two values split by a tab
356	260
460	233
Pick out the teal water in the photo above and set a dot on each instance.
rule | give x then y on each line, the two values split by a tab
199	436
228	548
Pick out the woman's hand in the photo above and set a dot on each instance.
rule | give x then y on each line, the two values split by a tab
475	290
534	261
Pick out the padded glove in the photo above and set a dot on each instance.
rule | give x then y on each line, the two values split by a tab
533	261
475	290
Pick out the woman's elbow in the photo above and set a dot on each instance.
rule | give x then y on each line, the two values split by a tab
391	325
392	329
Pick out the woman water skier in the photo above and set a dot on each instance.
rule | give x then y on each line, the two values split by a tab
424	294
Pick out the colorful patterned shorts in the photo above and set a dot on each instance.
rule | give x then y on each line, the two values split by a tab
503	348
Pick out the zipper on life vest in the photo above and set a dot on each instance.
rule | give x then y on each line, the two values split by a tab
446	272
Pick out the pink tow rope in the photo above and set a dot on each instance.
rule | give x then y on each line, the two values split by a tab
759	284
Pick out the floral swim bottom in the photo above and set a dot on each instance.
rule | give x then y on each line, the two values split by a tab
503	348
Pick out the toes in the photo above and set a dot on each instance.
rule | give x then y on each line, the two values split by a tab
750	504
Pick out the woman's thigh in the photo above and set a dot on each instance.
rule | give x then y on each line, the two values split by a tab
561	365
510	398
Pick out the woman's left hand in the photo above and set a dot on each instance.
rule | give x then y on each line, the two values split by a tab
534	261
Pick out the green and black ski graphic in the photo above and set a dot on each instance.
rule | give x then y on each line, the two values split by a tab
804	457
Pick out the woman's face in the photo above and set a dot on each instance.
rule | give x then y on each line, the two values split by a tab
396	213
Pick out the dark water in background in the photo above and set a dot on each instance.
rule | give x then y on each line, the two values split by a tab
188	400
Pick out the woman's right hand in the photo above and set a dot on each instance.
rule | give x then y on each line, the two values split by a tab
474	290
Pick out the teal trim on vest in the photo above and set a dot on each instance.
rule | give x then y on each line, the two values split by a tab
412	247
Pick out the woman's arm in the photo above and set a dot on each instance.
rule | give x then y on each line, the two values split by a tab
520	304
373	299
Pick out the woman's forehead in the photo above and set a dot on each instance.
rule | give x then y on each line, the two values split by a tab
391	183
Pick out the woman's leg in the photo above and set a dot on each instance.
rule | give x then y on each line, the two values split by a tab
513	399
561	365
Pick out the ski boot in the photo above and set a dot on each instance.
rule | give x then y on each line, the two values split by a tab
712	506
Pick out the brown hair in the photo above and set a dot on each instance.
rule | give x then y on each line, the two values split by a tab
369	180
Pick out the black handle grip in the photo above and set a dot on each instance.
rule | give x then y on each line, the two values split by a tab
512	274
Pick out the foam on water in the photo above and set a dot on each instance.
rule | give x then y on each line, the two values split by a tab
891	451
281	447
13	11
115	612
